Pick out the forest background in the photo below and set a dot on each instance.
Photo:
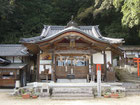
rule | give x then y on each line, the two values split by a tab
25	18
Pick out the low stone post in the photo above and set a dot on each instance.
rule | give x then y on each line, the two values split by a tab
99	82
17	84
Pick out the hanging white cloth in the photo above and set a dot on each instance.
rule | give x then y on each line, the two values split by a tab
66	68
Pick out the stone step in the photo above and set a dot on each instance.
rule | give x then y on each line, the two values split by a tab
132	93
131	77
72	90
71	80
132	90
71	98
133	87
72	95
134	78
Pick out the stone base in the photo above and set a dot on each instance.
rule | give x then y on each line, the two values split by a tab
72	98
110	76
72	93
71	81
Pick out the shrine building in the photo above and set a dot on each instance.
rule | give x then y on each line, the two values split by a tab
62	54
71	53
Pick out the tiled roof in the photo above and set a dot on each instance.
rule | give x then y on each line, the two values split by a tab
51	31
131	47
13	50
13	66
56	29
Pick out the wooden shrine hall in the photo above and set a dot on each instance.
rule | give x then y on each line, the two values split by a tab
70	53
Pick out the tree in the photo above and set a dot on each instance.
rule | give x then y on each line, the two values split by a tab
6	8
130	10
29	16
97	7
117	18
25	18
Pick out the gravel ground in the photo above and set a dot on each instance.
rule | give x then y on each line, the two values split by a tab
7	99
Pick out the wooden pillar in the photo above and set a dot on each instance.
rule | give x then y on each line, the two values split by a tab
53	66
105	68
120	61
55	62
94	71
123	61
112	58
29	70
24	77
38	67
46	72
92	74
20	77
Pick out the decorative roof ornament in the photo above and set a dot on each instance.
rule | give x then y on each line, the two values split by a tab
72	23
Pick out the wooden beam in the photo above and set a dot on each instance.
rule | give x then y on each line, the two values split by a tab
72	52
116	51
32	47
76	34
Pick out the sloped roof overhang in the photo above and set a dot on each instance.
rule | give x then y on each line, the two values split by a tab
13	66
70	31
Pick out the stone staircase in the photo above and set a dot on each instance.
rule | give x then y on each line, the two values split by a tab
132	88
131	77
126	76
131	82
72	92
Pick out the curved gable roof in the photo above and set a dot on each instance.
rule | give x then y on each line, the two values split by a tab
71	29
50	32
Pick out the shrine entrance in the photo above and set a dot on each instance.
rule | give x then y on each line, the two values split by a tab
72	66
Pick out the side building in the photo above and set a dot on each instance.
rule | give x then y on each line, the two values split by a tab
130	52
14	65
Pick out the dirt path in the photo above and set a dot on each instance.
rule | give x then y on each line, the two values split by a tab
6	99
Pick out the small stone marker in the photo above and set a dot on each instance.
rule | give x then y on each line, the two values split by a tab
17	84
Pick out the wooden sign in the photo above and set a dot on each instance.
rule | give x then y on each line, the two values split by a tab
98	58
71	76
46	56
